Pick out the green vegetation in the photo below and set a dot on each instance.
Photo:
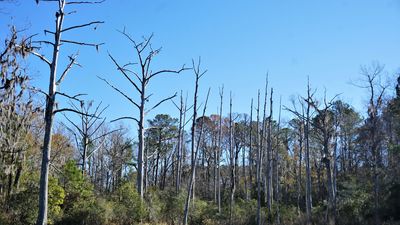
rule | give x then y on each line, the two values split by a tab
327	165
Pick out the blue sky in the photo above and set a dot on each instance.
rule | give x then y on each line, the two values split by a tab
238	41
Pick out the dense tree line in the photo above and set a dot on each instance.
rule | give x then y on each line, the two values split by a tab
328	164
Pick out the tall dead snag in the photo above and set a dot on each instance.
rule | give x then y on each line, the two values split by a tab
249	186
232	160
263	147
179	148
307	148
306	121
221	94
298	126
324	123
277	181
56	79
269	160
258	162
139	79
195	144
376	89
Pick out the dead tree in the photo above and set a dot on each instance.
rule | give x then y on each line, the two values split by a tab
249	186
264	147
324	125
258	162
140	80
194	144
232	160
376	91
54	83
85	131
306	121
180	143
298	125
308	169
221	95
269	160
277	159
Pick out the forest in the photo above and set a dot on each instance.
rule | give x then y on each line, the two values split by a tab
67	164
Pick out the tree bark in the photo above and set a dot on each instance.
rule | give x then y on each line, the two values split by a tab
49	119
219	149
193	144
232	161
259	162
308	170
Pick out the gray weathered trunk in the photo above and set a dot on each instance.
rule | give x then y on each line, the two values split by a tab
140	167
219	149
258	163
308	170
232	161
269	161
49	119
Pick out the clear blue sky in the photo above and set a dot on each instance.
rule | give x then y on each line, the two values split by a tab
239	42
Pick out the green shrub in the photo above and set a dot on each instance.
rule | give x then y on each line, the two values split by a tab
98	212
128	207
354	203
24	204
173	206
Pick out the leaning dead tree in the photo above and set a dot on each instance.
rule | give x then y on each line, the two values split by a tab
139	76
195	148
56	78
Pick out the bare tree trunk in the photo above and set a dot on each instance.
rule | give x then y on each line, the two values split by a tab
259	162
250	151
299	183
179	147
232	161
244	172
145	74
335	170
84	153
183	149
215	170
277	197
194	147
146	171
48	119
269	161
221	93
264	147
308	170
140	157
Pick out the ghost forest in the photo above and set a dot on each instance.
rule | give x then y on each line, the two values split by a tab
328	164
